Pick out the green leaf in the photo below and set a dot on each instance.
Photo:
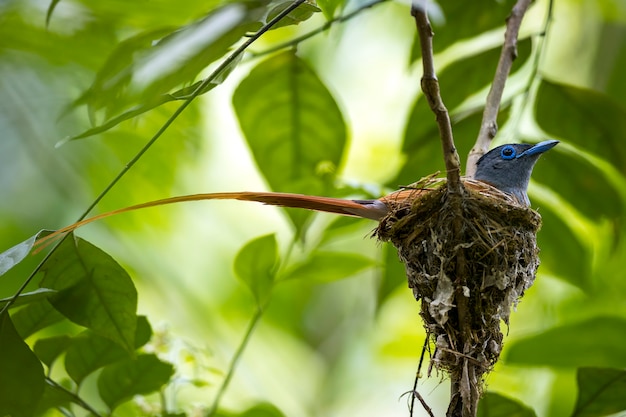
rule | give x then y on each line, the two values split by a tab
21	373
28	297
463	20
90	351
256	264
143	69
55	397
94	290
600	392
329	266
34	317
559	242
467	76
422	145
291	123
13	256
329	7
585	118
595	342
300	14
48	349
496	405
580	183
123	380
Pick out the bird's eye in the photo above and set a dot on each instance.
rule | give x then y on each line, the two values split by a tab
508	152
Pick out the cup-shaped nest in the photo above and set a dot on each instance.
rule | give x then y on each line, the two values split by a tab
469	258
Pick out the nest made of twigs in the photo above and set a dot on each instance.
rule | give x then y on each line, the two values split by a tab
479	250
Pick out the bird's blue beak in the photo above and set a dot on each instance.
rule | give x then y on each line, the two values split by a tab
539	148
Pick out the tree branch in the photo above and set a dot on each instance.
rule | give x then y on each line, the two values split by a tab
430	87
489	125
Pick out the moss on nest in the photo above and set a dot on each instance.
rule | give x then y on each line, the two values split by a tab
489	257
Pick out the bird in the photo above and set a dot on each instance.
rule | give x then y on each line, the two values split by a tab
507	167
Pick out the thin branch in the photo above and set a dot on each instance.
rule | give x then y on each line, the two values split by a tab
489	125
430	87
414	393
75	398
235	360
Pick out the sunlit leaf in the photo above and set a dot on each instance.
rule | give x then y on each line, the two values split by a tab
600	392
595	342
291	122
585	118
496	405
94	290
329	266
28	297
454	21
329	7
12	256
88	351
21	373
255	265
300	14
49	348
35	316
143	69
123	380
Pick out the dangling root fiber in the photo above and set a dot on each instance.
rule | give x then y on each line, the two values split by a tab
494	239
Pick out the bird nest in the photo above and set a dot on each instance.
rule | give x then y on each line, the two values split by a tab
469	258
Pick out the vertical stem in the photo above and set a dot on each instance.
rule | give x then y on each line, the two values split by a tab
430	87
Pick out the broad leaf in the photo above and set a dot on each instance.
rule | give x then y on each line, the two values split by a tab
558	242
300	14
600	392
34	317
89	352
49	348
94	290
28	297
496	405
11	257
329	266
329	7
585	118
21	373
256	264
596	342
291	122
54	396
460	20
123	380
143	69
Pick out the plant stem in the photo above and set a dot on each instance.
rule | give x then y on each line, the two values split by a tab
235	360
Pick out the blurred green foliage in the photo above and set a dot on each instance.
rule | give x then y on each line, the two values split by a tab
331	306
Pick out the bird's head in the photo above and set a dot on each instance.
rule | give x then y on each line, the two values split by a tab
508	167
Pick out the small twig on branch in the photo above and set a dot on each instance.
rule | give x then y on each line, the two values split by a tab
430	87
489	126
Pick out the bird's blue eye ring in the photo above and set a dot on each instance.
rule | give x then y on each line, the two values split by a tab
508	152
